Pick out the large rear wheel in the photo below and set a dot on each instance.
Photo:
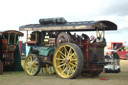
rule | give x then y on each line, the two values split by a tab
68	60
32	64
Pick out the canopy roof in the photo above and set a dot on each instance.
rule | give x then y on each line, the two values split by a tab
71	26
11	32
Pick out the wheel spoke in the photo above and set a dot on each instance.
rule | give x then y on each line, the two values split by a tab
66	52
35	60
63	71
68	71
62	55
67	59
73	69
64	66
35	69
28	63
62	62
59	59
61	65
30	69
32	65
71	55
35	65
69	52
73	60
73	65
31	58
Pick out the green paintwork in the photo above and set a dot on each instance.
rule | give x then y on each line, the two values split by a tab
28	50
44	51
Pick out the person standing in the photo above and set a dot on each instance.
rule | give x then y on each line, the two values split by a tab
116	56
107	56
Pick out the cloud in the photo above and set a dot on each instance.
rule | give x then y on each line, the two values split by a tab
114	7
124	30
15	13
117	36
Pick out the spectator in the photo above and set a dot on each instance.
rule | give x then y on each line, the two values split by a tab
107	56
116	56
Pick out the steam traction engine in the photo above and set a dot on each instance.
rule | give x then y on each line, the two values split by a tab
53	44
10	53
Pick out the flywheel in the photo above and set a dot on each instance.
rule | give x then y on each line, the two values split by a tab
63	37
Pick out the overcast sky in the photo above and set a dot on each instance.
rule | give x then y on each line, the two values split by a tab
14	13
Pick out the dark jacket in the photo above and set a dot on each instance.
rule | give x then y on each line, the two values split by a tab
116	56
106	56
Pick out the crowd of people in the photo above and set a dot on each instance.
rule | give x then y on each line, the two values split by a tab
113	55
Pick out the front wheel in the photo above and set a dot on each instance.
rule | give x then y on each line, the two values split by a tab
32	64
68	60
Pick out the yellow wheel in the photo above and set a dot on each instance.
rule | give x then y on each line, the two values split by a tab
49	69
68	60
32	64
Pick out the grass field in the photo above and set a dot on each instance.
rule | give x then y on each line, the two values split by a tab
21	78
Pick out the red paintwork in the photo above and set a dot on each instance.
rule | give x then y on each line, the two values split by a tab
122	54
5	41
114	43
20	43
86	45
31	42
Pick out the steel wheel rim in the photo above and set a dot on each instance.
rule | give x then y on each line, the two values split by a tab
65	61
31	64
